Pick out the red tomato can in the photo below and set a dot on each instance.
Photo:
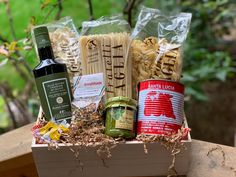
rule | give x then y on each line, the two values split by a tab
161	107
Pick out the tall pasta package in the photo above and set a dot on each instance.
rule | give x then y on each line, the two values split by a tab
157	45
105	48
64	37
64	40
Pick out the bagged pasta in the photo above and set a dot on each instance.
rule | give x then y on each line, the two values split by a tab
157	45
104	48
64	39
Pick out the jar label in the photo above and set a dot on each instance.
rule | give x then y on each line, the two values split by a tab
124	118
55	97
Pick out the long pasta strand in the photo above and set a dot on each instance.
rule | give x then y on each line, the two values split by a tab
109	53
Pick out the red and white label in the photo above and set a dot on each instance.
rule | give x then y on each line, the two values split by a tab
161	105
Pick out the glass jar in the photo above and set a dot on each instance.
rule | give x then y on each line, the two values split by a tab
121	117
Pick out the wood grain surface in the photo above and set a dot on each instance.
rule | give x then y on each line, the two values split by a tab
206	159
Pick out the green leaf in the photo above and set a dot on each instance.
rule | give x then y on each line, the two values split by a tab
188	78
4	118
3	62
198	94
45	3
222	75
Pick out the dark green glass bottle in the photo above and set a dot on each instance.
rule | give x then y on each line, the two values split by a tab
51	80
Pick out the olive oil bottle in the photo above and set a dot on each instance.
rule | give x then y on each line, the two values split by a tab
51	80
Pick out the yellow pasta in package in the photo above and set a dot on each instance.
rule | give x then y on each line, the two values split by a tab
64	39
105	48
157	45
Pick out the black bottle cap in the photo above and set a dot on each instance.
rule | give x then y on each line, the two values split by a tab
42	37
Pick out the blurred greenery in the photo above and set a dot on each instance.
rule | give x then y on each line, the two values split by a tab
203	60
4	119
40	11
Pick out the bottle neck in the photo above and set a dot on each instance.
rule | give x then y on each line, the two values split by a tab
45	53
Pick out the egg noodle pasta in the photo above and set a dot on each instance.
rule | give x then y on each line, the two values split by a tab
157	45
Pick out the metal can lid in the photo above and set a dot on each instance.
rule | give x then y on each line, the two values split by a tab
121	101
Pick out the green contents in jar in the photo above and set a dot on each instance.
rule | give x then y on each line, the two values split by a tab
121	117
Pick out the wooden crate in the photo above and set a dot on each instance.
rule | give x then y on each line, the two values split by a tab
127	159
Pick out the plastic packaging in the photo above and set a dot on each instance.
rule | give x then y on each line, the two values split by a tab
104	47
64	39
89	91
157	44
105	25
51	132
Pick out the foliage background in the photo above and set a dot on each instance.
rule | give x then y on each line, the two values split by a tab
208	57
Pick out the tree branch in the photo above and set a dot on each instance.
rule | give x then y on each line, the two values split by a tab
21	108
48	14
90	9
60	8
23	61
128	10
27	92
10	19
4	95
15	63
3	39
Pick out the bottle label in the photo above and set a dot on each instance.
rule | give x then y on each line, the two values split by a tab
55	96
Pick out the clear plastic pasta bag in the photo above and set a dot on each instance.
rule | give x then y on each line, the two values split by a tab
104	48
64	40
156	48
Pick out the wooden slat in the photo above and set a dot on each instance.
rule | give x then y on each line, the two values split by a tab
21	166
235	138
207	159
15	143
127	159
16	158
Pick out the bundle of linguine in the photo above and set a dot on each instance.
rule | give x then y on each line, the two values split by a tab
109	54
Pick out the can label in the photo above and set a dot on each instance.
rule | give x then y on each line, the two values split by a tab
161	105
